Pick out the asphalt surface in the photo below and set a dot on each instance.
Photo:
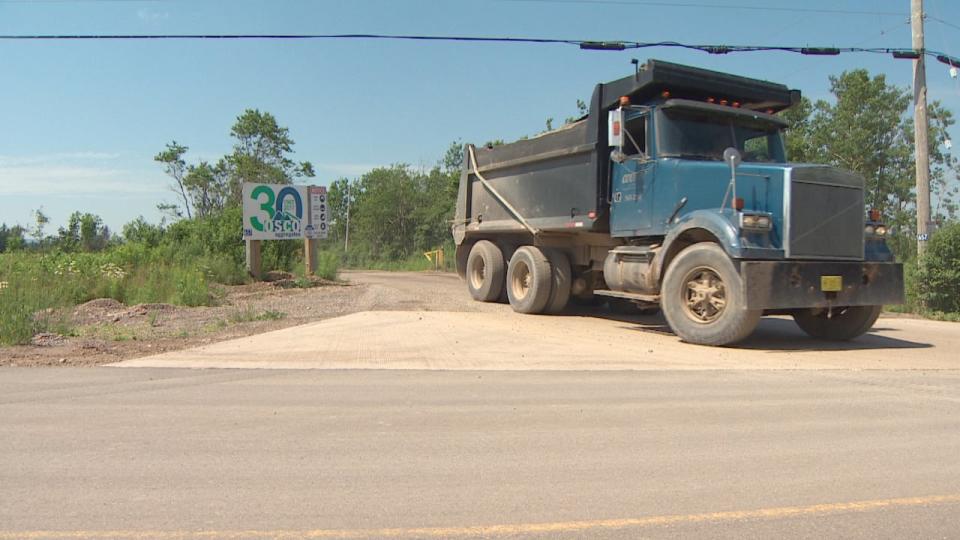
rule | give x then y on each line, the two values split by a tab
176	453
490	424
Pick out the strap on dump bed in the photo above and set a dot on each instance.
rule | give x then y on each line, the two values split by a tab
476	171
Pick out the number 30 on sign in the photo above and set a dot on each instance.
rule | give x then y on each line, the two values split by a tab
284	212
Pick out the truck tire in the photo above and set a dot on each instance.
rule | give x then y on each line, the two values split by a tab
562	277
485	271
702	298
529	280
844	324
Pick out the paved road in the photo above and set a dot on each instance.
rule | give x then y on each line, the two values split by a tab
492	424
153	453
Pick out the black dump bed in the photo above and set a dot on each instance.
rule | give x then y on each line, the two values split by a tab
558	181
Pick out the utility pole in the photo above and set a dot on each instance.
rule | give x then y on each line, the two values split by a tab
921	127
346	237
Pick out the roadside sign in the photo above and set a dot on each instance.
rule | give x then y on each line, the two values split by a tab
284	212
317	228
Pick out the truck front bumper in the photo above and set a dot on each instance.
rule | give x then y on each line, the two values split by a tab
786	284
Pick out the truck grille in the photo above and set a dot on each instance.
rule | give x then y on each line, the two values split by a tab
825	213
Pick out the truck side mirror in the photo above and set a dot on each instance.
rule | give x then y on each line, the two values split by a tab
615	128
732	156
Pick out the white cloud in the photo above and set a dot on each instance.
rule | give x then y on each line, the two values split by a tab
68	173
60	157
63	179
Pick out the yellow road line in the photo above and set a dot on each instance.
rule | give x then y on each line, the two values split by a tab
499	530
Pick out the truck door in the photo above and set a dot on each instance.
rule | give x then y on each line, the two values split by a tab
633	182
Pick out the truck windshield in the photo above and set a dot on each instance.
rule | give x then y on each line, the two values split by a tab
692	134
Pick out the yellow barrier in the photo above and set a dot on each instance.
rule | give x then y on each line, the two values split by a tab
436	257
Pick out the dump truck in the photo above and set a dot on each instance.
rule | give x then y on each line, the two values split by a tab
674	193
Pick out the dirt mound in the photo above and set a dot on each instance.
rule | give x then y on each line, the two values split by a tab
100	304
141	310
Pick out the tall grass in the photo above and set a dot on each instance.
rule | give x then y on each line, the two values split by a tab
328	264
37	285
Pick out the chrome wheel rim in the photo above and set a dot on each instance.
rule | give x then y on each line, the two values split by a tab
704	295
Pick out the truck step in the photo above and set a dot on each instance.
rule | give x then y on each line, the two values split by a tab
649	298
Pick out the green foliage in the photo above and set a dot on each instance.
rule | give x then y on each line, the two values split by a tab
84	232
396	213
582	110
260	153
176	168
40	221
36	285
208	186
867	129
938	274
139	231
18	302
11	238
328	264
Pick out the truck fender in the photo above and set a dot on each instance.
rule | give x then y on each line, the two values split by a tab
699	226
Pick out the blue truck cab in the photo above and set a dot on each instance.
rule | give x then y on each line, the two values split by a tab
675	193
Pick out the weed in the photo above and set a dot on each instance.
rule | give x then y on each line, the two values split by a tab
248	314
214	326
327	265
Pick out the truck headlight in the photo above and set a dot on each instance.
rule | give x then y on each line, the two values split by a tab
757	222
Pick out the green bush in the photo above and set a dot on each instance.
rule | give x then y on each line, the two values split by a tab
328	264
938	274
192	289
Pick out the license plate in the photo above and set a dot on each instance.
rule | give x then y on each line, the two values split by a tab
831	283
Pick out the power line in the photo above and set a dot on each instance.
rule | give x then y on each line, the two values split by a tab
715	6
941	21
581	43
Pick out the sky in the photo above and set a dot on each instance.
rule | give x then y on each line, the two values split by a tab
80	122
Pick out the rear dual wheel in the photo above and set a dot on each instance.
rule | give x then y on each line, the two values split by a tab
538	282
535	282
485	271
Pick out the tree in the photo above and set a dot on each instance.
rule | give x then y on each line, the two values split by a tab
938	274
208	186
176	167
341	196
40	221
11	238
261	153
799	140
866	129
83	232
142	232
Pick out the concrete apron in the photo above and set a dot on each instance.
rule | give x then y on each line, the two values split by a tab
509	341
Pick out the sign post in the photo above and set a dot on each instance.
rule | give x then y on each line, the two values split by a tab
283	212
253	258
